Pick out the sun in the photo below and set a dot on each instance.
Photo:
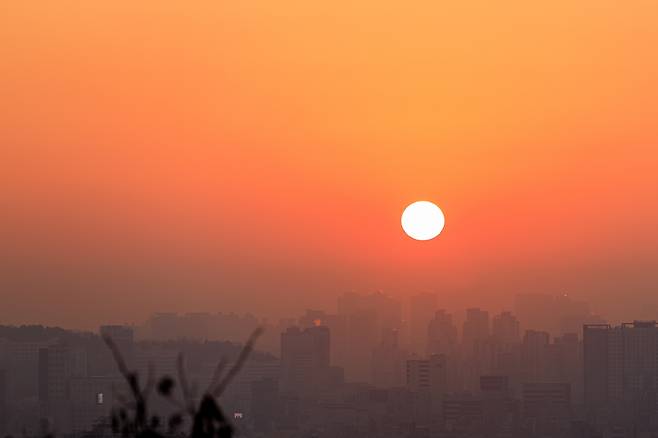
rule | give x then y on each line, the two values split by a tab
423	220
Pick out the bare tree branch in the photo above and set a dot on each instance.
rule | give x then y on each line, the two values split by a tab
239	363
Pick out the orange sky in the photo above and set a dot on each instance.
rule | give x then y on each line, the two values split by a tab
257	155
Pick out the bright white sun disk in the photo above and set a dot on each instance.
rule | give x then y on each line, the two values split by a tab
423	220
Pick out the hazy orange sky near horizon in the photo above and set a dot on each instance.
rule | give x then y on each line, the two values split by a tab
257	155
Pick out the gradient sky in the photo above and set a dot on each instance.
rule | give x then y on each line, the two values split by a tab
257	155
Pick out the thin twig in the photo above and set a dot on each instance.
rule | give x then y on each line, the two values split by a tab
121	364
219	369
239	363
183	384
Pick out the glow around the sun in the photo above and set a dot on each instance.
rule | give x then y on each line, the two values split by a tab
423	220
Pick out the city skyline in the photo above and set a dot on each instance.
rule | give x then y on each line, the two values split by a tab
329	219
549	368
524	302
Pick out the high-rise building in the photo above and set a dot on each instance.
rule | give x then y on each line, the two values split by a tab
338	327
387	310
428	374
92	399
422	308
442	335
564	363
621	366
571	314
505	328
427	379
498	405
547	400
305	359
460	409
363	319
535	311
264	404
442	338
494	387
362	339
56	367
348	303
597	342
475	329
533	355
22	360
388	361
54	370
557	315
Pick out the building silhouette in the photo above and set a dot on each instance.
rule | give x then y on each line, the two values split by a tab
388	361
428	374
505	328
621	369
547	403
533	355
442	336
475	329
422	308
305	359
493	384
57	365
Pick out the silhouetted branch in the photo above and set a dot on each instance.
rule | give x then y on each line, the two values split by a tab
219	369
208	421
187	399
118	358
239	363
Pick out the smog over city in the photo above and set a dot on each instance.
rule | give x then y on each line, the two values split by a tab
328	219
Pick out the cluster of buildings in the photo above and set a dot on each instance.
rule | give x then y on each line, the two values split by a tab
375	367
68	385
392	370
